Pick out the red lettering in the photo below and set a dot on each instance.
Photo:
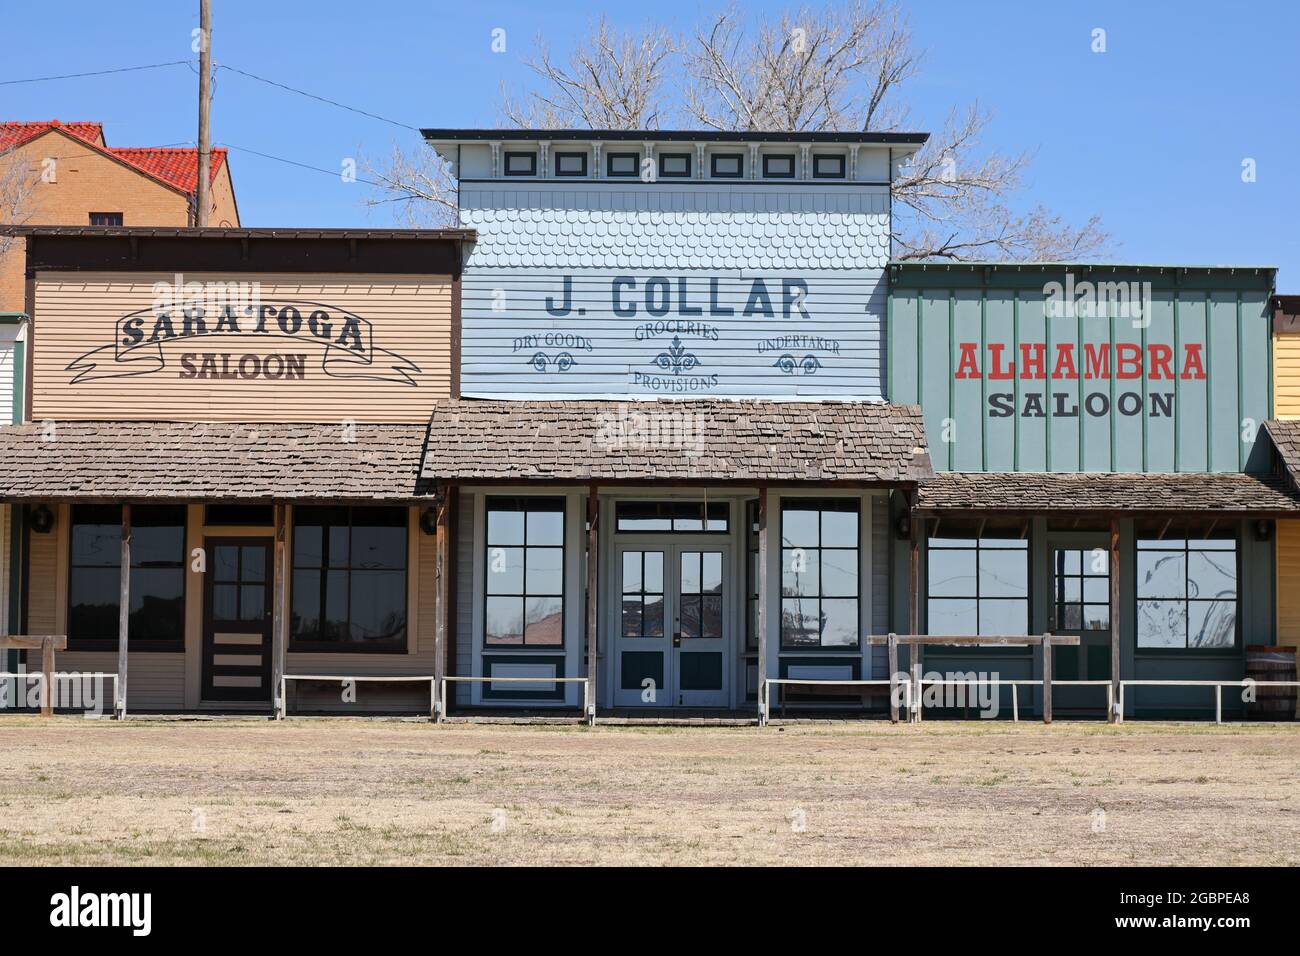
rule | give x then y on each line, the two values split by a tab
1096	361
1033	359
1192	367
1161	355
1128	360
995	360
968	366
1065	367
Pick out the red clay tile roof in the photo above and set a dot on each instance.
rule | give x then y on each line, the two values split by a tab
15	134
176	166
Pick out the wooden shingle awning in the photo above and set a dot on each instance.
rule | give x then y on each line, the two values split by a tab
1227	494
688	441
210	460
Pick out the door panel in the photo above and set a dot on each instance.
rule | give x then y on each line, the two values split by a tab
672	626
1080	577
237	620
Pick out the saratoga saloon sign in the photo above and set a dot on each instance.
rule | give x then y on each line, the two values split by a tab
237	341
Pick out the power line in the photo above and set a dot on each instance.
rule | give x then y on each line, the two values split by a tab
74	76
313	96
293	162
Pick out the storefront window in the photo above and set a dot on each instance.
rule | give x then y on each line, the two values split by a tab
1187	593
819	572
524	603
349	579
157	605
977	587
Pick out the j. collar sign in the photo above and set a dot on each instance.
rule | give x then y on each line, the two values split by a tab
345	340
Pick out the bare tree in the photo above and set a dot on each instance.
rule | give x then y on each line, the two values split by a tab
417	188
17	185
842	69
611	81
838	68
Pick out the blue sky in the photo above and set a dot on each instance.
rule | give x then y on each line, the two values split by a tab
1151	134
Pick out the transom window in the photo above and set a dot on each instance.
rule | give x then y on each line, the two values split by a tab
525	572
779	166
828	167
349	579
157	610
570	164
819	572
674	165
521	164
978	586
106	219
1187	593
622	164
677	517
728	165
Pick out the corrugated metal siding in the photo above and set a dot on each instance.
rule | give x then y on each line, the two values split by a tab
1049	427
410	319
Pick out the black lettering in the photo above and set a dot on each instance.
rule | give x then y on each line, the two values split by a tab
1001	405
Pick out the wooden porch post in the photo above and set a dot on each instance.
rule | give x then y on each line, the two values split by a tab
761	623
914	608
441	598
1047	678
593	603
1114	716
123	613
279	614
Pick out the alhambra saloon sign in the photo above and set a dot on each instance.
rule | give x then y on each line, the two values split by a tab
237	340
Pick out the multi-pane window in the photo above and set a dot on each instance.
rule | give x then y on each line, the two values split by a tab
349	579
819	572
525	572
106	219
157	604
1187	593
1081	589
643	594
977	586
700	594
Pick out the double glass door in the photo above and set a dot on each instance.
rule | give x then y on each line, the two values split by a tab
673	629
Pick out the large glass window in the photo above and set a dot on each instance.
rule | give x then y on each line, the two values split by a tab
157	605
349	579
977	586
819	572
525	572
680	517
1187	593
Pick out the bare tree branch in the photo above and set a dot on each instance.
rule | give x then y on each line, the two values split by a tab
417	189
611	81
17	199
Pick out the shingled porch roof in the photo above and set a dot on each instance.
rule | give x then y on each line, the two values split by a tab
696	441
186	461
1227	494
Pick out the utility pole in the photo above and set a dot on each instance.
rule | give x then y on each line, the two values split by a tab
201	200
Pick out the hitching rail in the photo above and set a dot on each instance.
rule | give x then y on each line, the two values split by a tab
358	678
47	698
1218	686
588	711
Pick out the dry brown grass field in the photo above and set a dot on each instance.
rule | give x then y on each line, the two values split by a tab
74	791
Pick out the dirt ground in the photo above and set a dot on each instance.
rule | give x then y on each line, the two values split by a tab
74	791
